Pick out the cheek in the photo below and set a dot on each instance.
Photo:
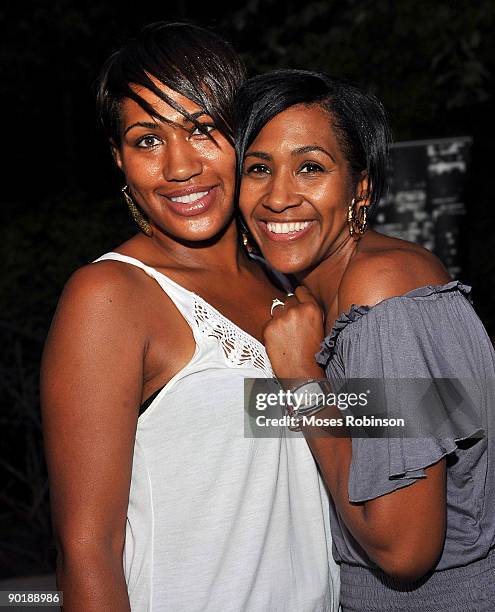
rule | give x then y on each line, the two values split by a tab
220	156
248	196
140	169
226	165
331	200
221	169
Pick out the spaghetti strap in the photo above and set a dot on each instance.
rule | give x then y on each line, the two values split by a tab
180	296
238	346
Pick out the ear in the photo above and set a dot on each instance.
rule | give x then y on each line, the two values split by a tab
363	189
116	154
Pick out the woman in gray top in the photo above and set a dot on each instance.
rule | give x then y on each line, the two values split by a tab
413	522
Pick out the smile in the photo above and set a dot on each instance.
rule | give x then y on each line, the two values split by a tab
280	231
190	202
191	197
286	228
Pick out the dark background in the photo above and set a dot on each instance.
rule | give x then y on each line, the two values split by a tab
430	62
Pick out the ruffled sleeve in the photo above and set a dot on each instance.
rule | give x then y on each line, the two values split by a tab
431	334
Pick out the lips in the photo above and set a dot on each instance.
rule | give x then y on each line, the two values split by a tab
285	231
190	201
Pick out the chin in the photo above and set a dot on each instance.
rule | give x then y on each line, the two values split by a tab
202	229
287	265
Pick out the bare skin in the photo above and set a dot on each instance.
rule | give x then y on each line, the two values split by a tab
116	338
296	171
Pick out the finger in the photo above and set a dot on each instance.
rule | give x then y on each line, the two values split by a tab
278	310
304	296
291	301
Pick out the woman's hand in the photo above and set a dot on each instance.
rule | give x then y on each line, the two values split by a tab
293	336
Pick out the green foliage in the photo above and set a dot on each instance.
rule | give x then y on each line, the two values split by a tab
420	58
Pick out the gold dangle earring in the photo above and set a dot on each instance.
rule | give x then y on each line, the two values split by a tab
247	244
137	215
245	236
245	240
357	220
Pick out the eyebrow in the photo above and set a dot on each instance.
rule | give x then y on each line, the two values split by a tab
295	152
310	148
152	125
259	154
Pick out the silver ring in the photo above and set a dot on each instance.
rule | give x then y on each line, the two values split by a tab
276	302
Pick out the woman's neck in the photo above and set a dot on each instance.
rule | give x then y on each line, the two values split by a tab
222	253
324	279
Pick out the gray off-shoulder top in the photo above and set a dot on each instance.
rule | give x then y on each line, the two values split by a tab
432	332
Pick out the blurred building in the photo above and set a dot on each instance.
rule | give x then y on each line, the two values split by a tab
425	202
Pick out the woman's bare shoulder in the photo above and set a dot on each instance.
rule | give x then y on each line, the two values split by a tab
110	284
108	278
387	267
98	302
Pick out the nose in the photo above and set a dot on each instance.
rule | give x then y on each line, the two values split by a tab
182	162
281	194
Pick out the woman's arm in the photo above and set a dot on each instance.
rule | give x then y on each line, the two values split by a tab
91	386
403	531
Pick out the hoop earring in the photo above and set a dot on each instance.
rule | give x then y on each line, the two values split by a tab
357	220
136	214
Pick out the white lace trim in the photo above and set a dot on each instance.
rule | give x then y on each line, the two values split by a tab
239	348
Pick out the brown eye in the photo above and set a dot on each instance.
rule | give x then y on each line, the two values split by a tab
148	142
311	167
257	169
205	129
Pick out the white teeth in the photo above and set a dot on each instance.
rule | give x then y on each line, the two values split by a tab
285	228
192	197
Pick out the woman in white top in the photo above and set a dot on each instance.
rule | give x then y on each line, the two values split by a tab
171	507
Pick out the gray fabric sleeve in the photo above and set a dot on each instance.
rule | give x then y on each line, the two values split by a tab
429	337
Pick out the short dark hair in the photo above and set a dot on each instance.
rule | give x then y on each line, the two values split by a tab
358	118
189	59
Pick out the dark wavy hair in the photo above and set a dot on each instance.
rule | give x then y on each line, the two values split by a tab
358	118
189	59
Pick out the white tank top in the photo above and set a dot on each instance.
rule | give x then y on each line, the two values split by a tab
218	522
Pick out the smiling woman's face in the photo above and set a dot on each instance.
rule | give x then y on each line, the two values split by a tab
296	188
180	178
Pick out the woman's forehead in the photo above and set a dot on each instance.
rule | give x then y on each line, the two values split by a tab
131	109
298	124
